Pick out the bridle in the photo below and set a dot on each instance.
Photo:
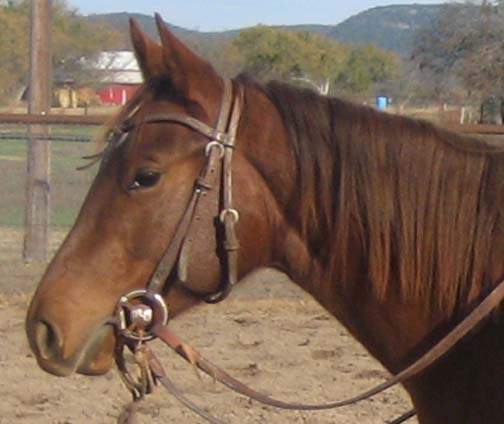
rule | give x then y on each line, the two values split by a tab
143	314
212	192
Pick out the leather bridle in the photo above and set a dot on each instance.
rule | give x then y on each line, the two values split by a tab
212	192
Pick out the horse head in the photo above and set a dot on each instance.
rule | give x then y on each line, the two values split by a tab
158	156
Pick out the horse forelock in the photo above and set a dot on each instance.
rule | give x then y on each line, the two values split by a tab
106	140
117	120
420	205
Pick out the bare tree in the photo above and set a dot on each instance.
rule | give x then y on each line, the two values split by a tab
462	55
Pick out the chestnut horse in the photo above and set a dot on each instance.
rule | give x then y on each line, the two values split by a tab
393	225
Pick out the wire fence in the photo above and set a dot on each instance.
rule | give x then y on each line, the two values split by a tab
69	137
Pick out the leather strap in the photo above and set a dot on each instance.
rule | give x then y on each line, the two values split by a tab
444	346
213	188
199	248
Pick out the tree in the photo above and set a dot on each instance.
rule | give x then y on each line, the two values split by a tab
321	62
77	41
366	66
220	51
300	57
13	49
464	49
73	39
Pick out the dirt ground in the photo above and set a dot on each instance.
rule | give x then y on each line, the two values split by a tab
268	334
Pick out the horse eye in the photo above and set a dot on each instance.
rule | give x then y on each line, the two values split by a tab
144	179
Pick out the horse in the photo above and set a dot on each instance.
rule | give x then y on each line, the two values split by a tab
393	225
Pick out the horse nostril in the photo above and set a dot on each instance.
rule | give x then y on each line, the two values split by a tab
47	340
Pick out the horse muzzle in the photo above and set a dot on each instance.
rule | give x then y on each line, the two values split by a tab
92	357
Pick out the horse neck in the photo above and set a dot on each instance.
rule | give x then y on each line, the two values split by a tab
270	152
314	268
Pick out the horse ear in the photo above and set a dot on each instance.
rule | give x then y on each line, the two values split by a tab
148	53
193	76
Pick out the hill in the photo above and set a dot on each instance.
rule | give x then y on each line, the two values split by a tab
120	21
389	27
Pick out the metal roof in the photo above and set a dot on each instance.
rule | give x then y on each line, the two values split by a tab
118	67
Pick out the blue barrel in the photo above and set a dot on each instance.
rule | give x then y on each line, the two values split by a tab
382	102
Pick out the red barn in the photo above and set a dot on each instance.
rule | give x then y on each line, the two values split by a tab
121	77
116	94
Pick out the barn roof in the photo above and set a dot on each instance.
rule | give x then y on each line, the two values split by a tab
119	67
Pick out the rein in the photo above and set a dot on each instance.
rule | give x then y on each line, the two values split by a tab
143	314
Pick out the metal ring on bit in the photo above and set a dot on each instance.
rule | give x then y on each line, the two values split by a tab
137	318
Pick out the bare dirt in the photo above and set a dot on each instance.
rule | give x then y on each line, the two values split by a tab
268	334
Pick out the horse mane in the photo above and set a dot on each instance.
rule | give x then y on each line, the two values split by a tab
419	204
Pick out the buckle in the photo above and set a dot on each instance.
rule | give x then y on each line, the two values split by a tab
210	145
233	214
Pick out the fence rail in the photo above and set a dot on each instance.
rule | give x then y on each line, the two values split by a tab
481	129
27	119
23	118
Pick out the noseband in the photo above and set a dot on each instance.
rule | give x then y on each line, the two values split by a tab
212	191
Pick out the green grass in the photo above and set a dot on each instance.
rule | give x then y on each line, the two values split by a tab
68	186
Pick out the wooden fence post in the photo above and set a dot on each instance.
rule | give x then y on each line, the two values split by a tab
38	151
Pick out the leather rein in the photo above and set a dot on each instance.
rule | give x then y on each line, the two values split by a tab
142	315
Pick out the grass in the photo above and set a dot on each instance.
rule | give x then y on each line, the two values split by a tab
68	186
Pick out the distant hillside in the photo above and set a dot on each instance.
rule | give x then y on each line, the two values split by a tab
389	27
120	21
320	29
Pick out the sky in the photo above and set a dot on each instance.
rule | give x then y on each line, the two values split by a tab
220	15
